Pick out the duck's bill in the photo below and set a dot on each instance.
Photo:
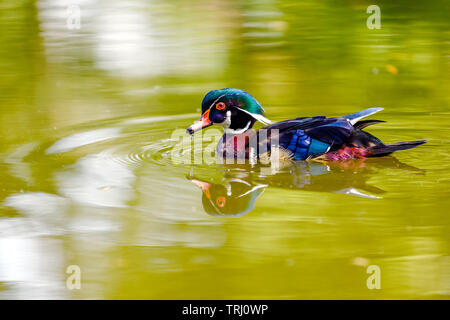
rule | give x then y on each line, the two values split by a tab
200	124
202	185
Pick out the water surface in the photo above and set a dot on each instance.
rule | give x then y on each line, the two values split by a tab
89	179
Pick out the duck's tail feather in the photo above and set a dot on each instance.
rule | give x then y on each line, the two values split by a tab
365	123
355	117
388	148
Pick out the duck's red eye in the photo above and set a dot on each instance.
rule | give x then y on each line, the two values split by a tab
221	201
220	106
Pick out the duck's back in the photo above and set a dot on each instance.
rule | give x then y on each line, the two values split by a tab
312	137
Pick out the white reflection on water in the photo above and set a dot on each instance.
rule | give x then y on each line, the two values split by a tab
43	213
138	39
264	24
135	38
32	267
83	138
59	42
126	42
98	180
17	166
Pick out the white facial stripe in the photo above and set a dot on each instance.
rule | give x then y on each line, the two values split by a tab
261	119
239	93
240	181
236	94
227	122
253	189
257	117
238	131
212	104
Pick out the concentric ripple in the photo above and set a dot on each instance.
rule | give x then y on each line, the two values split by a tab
133	142
158	152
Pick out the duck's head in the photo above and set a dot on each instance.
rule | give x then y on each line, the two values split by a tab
233	109
230	198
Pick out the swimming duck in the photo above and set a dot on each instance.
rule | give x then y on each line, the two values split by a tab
328	139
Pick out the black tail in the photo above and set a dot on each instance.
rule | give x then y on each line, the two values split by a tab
385	149
365	123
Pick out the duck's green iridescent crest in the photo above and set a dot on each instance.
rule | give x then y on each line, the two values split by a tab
237	97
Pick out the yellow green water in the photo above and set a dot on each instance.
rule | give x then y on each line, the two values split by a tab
87	176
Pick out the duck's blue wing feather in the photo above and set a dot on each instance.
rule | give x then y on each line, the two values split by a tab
301	145
313	136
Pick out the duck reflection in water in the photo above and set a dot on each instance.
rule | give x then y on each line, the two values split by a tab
236	194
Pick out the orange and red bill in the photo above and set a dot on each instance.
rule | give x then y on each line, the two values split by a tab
204	186
200	124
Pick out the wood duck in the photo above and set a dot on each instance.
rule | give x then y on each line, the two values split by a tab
328	139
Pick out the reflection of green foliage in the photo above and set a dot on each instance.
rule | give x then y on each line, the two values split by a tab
21	65
20	48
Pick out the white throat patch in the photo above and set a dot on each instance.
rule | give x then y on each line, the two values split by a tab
238	131
227	122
